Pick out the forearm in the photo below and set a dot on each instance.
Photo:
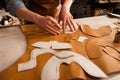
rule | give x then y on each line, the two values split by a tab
67	3
13	5
28	15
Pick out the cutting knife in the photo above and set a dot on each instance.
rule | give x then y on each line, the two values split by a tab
114	15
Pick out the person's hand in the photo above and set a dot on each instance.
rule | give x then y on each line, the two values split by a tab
66	18
49	24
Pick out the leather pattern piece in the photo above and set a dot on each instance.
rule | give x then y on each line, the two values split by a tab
53	64
101	32
52	45
96	51
33	62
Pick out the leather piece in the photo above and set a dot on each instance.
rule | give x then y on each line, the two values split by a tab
112	51
105	61
94	48
102	31
52	66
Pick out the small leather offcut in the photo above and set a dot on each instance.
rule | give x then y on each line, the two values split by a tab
101	32
112	51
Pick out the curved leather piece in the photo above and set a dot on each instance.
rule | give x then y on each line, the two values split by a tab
53	64
101	32
56	60
12	46
33	62
97	53
94	48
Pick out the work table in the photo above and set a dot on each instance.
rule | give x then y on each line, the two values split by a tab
31	34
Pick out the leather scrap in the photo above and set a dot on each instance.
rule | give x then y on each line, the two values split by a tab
53	64
97	49
101	32
112	51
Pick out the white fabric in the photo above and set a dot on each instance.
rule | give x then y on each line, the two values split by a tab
12	46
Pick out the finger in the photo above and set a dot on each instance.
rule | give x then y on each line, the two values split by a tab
71	25
64	26
54	21
52	30
50	24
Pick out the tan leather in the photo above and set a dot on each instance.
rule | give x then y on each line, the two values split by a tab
104	58
67	72
45	7
112	51
118	24
102	31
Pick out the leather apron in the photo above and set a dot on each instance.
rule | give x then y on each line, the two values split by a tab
45	7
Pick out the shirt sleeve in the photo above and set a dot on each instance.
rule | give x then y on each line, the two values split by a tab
13	5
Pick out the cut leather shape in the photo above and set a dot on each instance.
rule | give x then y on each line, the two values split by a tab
32	62
12	46
64	56
94	49
42	45
101	32
57	45
51	68
112	51
53	45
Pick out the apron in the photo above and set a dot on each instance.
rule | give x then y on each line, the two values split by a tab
45	7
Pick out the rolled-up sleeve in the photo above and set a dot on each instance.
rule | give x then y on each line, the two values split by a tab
13	5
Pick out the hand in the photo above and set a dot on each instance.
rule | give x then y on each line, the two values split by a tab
49	24
66	18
